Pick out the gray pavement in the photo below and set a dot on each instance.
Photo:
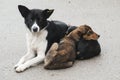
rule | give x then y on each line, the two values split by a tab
102	15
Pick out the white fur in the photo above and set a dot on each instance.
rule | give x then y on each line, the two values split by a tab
36	43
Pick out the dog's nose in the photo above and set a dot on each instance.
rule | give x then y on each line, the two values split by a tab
98	35
35	29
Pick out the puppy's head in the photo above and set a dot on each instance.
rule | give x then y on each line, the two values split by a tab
85	32
88	33
35	19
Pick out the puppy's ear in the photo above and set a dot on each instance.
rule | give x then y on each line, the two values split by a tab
23	10
46	13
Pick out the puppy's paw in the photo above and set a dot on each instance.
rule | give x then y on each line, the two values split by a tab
20	68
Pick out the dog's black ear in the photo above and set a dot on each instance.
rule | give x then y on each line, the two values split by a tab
46	13
23	10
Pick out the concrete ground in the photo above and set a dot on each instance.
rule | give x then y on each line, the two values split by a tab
102	15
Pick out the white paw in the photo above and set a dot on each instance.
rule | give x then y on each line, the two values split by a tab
17	65
20	68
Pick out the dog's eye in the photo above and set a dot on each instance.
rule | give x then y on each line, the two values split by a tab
89	32
31	19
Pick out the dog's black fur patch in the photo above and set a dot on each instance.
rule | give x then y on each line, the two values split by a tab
56	31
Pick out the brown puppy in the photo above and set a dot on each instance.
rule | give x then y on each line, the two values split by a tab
62	55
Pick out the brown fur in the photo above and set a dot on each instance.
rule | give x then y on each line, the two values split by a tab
63	54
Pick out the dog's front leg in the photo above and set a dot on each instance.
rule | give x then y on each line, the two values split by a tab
39	58
30	54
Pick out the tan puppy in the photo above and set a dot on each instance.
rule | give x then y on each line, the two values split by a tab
62	55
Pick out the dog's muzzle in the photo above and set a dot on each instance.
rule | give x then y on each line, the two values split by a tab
35	29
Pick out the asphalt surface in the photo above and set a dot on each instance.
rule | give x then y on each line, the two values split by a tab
102	15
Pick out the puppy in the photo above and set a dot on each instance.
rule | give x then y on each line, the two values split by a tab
63	55
41	34
87	46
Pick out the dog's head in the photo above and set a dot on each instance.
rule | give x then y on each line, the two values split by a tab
85	32
88	33
35	19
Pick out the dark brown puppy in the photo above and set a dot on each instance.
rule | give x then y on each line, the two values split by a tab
88	47
62	55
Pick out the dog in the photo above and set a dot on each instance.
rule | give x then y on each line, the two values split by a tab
41	34
62	55
86	47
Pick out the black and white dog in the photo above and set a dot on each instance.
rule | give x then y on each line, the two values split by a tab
42	34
